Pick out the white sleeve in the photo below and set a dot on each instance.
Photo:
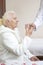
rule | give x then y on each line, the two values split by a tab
27	42
28	54
11	43
39	18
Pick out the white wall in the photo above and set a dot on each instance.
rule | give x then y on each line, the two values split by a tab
26	11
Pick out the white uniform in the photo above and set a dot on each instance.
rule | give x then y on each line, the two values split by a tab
12	50
39	18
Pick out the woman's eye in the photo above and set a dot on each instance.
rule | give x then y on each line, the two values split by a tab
14	18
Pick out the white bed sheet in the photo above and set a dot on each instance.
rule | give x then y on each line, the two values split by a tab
37	63
36	47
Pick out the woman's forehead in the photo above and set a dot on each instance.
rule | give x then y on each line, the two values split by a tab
12	16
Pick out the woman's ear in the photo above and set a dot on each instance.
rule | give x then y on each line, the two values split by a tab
6	23
7	20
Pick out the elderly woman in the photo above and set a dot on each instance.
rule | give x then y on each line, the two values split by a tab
13	51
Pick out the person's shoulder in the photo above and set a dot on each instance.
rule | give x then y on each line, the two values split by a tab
4	29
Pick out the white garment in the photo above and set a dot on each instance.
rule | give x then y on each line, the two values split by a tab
12	48
39	18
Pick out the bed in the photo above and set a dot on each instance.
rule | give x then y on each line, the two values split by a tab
36	47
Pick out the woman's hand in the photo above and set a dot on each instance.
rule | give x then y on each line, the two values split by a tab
29	29
34	58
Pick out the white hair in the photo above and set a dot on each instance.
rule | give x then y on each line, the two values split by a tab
7	15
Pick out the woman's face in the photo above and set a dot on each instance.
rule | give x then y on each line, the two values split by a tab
14	21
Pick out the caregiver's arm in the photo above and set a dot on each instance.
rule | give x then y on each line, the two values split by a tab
38	20
39	17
